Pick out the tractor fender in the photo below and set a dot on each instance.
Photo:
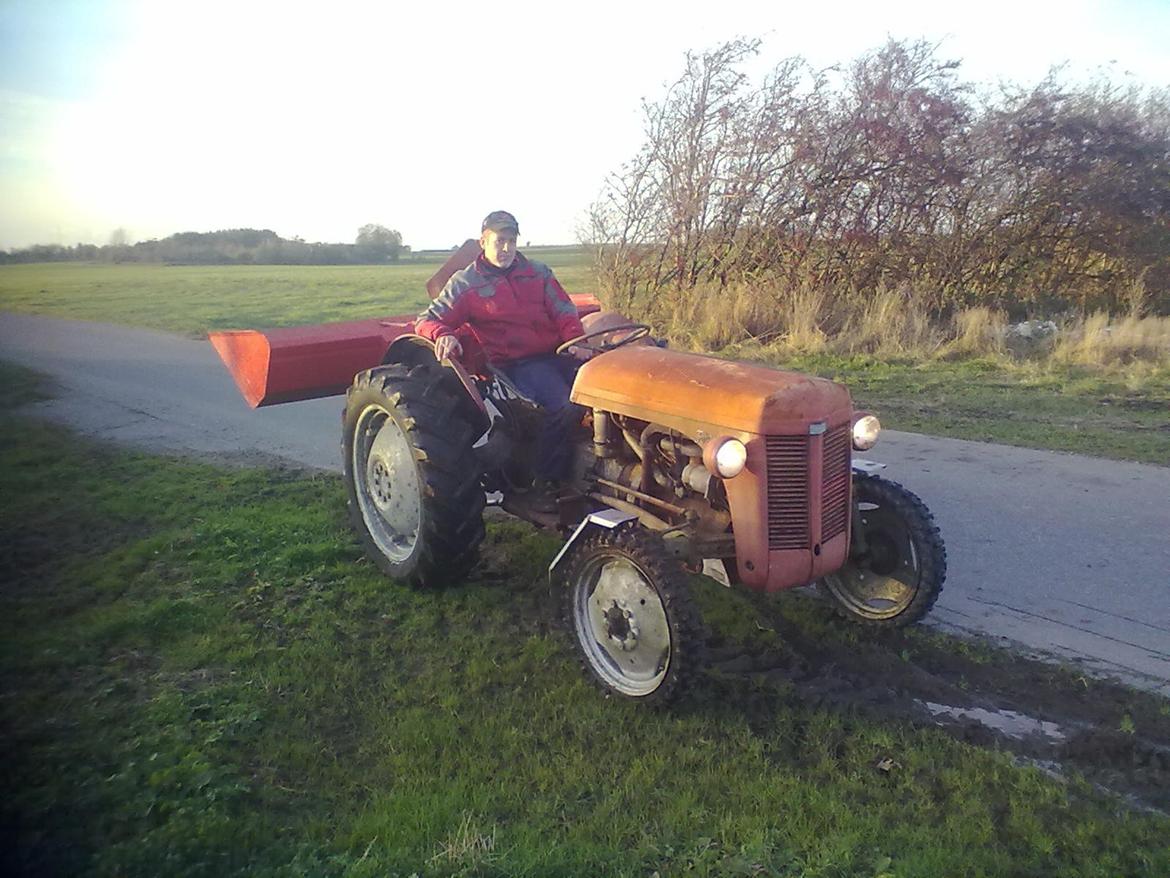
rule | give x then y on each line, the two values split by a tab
867	467
408	348
413	349
607	518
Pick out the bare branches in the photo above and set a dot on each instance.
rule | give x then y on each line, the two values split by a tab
887	170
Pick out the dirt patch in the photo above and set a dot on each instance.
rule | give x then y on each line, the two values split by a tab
1047	715
1067	723
1137	404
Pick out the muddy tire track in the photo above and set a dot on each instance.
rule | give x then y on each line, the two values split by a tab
1065	722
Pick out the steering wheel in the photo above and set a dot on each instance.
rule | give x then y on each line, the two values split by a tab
634	331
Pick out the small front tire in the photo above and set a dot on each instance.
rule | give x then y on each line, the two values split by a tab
630	616
897	577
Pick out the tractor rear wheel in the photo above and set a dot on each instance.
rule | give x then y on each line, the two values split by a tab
411	480
898	574
627	608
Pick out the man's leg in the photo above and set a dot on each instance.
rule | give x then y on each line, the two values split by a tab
547	380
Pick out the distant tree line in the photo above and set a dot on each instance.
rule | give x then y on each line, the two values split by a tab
887	171
374	245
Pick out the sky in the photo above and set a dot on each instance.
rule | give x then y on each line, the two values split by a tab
313	119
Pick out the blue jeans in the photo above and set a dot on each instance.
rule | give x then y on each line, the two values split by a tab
547	379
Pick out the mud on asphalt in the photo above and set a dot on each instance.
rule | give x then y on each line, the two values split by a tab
1045	714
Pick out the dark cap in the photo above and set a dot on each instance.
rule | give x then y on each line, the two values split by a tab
498	220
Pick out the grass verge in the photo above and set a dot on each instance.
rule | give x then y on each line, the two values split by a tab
1104	390
1079	409
202	676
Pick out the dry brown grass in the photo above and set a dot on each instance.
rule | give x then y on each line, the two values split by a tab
890	322
1136	296
804	319
1102	340
808	319
895	322
468	846
976	332
710	318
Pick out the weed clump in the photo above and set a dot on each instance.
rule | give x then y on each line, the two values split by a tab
1098	340
896	323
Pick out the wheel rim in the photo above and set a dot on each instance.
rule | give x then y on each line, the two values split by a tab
387	482
885	582
622	626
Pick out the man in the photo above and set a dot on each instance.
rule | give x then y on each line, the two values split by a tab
520	314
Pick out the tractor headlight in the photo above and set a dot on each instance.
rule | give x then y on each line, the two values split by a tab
866	430
730	457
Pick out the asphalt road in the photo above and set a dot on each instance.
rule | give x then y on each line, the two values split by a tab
1061	554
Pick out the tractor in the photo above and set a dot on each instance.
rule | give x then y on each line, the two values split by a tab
684	464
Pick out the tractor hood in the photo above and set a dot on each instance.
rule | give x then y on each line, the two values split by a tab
660	385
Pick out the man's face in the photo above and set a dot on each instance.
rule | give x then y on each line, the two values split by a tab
499	248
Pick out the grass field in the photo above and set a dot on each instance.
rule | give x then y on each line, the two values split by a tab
1073	408
1122	412
202	676
192	300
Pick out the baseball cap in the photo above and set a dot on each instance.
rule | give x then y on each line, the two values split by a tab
498	220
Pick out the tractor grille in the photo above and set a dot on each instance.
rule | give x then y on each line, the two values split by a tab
788	489
835	484
787	492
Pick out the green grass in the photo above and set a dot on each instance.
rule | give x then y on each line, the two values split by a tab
20	386
1121	413
202	676
194	299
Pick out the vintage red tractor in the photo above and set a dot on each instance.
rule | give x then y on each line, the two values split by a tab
683	463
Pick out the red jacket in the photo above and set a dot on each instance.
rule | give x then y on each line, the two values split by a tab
516	312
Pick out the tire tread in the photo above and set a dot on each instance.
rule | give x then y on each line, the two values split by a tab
453	500
669	580
932	552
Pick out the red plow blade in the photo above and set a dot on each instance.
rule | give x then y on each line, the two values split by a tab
272	366
304	362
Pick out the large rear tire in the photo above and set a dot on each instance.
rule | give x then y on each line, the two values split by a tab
629	613
412	483
897	577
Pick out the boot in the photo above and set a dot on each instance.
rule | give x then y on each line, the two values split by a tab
543	497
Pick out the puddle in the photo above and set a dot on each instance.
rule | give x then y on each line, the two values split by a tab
1010	723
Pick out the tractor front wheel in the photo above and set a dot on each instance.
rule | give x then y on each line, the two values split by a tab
897	563
412	484
629	613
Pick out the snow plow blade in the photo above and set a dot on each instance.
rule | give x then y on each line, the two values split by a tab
304	362
272	366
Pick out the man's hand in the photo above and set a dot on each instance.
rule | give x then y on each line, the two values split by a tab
580	354
447	346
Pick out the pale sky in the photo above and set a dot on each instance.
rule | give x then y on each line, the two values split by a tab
312	119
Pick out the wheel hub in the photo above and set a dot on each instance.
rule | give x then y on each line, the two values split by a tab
882	582
621	626
883	554
380	484
388	485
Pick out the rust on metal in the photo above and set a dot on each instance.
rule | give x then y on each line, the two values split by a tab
651	383
758	406
642	495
